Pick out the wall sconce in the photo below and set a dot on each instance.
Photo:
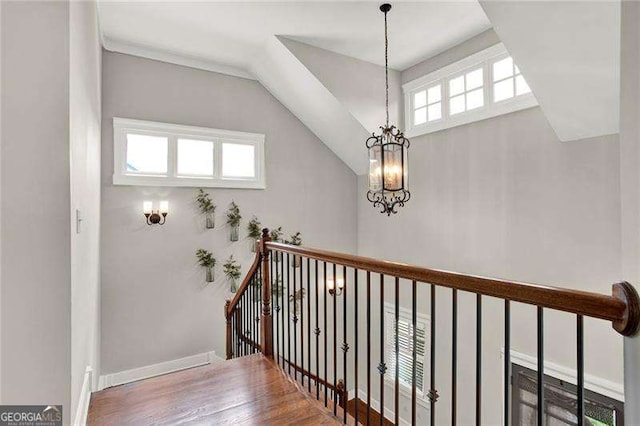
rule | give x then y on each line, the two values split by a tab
157	217
331	286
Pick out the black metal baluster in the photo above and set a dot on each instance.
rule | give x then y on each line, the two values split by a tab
308	326
253	315
454	357
541	413
580	363
414	329
295	320
396	402
243	311
249	293
345	345
288	319
317	332
368	348
382	367
335	342
356	343
507	361
433	394
274	285
326	331
478	359
282	306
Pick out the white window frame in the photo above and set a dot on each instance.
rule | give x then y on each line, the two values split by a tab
173	132
389	377
485	59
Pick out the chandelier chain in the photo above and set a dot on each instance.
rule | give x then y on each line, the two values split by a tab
386	68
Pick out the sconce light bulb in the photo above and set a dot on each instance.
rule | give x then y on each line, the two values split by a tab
147	207
164	207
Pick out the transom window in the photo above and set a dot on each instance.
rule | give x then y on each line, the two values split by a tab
427	104
507	80
480	86
466	92
160	154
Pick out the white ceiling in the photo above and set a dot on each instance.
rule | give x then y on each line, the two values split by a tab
572	61
231	35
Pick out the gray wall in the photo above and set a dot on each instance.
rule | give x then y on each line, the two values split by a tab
504	198
630	185
35	212
155	305
84	111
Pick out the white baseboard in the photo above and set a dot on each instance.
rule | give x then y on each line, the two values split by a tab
80	418
389	414
128	376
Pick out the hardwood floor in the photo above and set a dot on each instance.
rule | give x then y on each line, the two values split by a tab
361	406
250	390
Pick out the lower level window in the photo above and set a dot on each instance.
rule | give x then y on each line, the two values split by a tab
560	402
162	154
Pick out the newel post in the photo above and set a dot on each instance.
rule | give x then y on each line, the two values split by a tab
266	320
227	316
629	327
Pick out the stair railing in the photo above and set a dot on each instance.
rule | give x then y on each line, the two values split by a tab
299	326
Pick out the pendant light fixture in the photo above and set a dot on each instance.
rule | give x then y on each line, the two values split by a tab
388	161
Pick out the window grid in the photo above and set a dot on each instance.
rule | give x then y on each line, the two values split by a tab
193	144
427	104
508	81
464	103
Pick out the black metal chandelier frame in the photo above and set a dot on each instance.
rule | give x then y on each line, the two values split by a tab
388	198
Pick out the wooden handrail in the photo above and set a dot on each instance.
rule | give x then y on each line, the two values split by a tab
622	308
231	305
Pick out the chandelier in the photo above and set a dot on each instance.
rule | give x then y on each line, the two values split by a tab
388	161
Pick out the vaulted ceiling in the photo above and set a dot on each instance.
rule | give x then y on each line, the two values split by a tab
323	59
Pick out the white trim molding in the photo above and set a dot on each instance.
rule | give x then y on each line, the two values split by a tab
82	410
148	371
490	108
596	384
172	133
162	55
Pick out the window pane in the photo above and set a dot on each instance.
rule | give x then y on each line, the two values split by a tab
475	99
456	105
420	116
147	154
435	111
195	157
238	160
521	86
456	85
474	79
503	69
420	99
435	94
503	90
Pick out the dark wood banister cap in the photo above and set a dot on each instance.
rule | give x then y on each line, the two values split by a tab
622	308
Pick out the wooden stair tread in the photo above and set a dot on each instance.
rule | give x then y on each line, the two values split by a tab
250	390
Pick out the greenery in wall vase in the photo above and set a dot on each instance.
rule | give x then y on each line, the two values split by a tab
232	272
295	300
296	240
206	260
207	208
233	220
276	237
254	233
